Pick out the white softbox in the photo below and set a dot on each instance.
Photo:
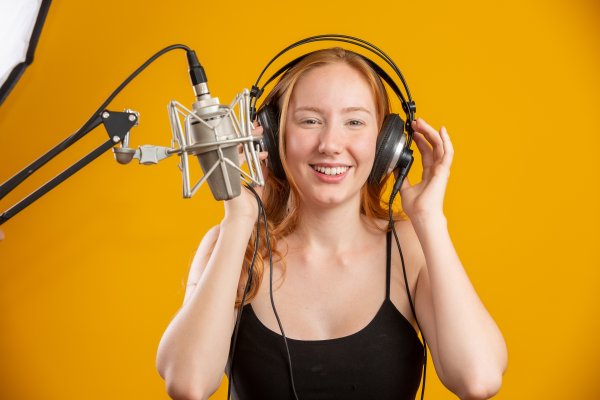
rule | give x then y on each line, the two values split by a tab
21	23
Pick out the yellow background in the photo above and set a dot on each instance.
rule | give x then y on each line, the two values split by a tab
92	273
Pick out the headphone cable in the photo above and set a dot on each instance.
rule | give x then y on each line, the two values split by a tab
410	300
263	214
246	289
287	349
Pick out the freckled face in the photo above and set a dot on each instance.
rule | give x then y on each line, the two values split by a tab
331	131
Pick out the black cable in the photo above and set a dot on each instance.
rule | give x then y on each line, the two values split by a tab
133	75
409	108
233	345
18	178
410	301
273	304
261	212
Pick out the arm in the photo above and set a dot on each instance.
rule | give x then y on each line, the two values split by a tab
468	350
467	347
193	351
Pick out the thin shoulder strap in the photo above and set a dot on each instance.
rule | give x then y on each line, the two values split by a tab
388	263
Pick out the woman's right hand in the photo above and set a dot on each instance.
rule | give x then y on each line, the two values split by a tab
244	207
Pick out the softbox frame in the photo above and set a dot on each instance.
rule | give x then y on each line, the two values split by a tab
19	68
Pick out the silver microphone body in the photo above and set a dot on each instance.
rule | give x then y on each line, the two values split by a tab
225	180
213	132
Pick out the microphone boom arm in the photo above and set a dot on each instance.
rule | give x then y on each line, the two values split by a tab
117	125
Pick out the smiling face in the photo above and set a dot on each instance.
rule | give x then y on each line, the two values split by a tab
330	134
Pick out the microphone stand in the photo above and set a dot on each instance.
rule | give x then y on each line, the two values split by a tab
117	125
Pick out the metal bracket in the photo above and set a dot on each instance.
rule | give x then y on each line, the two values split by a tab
118	124
148	154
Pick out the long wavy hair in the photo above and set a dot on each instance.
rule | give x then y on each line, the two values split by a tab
280	196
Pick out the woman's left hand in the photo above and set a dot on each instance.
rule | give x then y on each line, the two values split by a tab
426	198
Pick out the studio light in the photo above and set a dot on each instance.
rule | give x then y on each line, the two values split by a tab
21	23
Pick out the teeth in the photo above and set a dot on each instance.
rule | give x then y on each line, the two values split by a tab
330	171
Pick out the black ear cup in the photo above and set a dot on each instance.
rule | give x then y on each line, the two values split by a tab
390	145
268	118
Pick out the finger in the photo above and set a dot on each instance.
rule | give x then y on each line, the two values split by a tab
240	150
424	148
241	155
448	148
405	184
432	136
426	154
257	130
264	165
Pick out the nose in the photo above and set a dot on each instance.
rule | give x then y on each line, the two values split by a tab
330	140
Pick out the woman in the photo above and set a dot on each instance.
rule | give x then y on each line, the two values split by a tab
338	288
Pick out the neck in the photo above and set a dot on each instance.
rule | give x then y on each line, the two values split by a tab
331	230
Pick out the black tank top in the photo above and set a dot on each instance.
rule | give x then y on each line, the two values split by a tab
381	361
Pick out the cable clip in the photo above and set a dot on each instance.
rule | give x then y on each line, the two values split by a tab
256	92
410	107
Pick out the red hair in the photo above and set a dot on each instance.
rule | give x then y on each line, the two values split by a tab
280	196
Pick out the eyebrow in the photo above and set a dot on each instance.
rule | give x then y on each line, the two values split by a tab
345	109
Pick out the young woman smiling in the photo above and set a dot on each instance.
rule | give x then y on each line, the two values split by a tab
339	289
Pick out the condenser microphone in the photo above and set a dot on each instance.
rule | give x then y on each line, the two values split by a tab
225	181
212	127
212	132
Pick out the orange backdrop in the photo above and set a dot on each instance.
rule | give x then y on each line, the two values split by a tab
91	274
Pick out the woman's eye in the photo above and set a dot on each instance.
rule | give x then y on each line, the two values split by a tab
310	121
355	122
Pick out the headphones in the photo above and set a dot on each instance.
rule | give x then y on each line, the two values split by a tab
392	148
